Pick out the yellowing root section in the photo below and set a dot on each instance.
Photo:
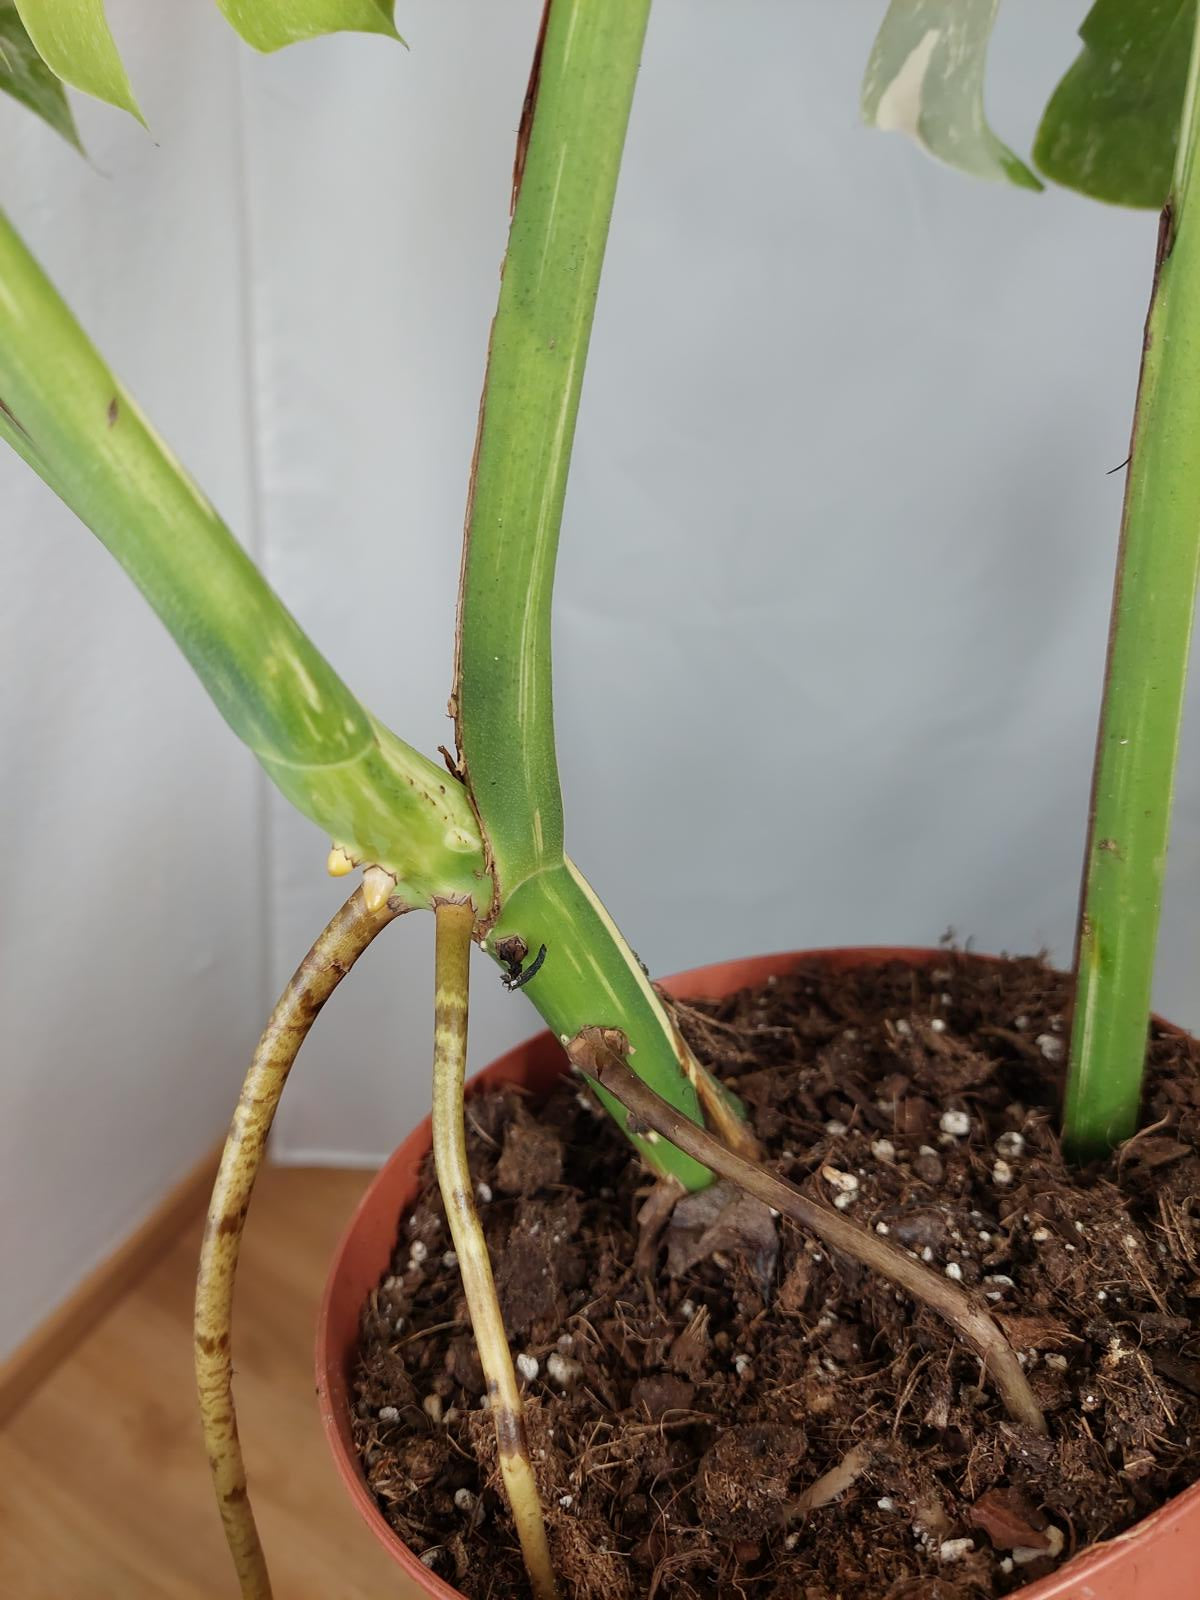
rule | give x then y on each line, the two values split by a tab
318	975
454	928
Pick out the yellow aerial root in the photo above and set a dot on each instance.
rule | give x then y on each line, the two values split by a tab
318	975
454	928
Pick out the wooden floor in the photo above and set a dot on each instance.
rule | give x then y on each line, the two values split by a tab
104	1490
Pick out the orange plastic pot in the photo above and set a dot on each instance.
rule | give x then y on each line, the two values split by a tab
1159	1559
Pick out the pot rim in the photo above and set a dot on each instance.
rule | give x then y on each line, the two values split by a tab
541	1058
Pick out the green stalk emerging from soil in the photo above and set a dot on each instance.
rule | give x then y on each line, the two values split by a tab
455	924
601	1053
1153	605
318	975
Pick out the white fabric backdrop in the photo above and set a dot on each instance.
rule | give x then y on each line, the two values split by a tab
835	572
837	554
131	821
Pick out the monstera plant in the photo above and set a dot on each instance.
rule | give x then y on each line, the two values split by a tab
478	838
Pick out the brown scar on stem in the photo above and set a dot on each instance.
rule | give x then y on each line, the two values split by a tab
1165	242
528	106
114	410
510	1431
15	420
454	705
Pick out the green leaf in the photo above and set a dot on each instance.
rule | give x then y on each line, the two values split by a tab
569	159
72	38
925	78
27	78
1111	126
271	24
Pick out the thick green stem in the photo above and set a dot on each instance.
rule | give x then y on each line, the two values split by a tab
66	414
1153	604
589	971
569	155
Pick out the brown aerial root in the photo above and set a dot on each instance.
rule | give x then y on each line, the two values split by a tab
600	1052
455	924
318	975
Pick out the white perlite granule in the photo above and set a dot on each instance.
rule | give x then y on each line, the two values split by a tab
955	1549
563	1370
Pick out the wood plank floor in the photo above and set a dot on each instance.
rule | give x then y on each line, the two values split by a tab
105	1488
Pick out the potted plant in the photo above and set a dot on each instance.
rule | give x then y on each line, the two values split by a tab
941	1164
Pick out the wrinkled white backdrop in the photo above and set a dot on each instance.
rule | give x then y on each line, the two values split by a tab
835	569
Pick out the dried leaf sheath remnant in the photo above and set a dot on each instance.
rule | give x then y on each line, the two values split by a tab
318	975
455	924
599	1052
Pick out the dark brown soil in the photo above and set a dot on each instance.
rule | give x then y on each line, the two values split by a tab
676	1423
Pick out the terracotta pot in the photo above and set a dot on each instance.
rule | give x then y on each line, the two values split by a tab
1159	1559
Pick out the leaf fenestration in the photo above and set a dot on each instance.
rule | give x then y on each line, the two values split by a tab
925	79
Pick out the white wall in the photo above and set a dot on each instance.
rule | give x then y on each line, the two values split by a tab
838	547
130	819
835	570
